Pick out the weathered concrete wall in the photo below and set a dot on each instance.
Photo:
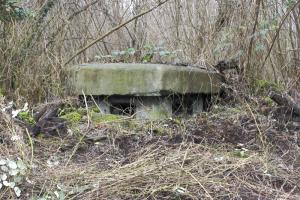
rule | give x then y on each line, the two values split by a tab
140	79
153	108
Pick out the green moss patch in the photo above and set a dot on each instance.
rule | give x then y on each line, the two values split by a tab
100	118
67	110
268	101
73	117
26	117
265	85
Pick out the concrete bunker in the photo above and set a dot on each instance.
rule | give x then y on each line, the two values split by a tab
145	91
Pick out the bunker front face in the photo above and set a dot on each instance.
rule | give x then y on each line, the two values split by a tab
148	91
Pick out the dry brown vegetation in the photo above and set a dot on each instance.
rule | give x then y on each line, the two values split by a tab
245	148
226	154
34	50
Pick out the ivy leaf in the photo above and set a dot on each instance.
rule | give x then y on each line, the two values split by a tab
9	184
12	164
13	172
2	162
131	51
3	177
147	58
4	168
21	165
17	191
12	185
18	179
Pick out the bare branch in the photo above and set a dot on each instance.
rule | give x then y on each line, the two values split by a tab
113	30
257	7
278	30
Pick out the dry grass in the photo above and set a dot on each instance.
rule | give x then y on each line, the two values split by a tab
185	159
173	159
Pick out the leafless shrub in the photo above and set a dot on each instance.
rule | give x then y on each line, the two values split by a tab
33	51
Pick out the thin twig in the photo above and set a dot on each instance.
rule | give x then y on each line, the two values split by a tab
87	110
257	126
278	30
31	146
205	190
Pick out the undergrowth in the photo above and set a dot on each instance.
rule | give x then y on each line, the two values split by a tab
230	153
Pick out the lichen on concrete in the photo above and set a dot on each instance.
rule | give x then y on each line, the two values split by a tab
141	79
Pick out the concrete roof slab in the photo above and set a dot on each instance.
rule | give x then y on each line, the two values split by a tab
141	79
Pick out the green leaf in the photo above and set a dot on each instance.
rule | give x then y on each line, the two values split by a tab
290	3
131	51
147	58
242	153
26	117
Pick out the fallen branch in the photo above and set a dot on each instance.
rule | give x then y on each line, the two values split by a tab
113	30
285	100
